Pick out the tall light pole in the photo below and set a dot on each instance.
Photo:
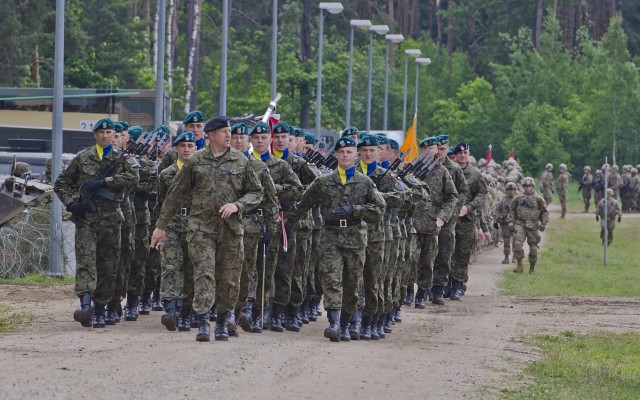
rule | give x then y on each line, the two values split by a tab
407	53
423	61
355	23
392	38
159	110
381	30
333	8
222	108
274	48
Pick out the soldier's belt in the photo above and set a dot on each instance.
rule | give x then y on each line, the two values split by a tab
343	223
184	212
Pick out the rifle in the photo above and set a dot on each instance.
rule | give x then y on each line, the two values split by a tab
426	168
394	165
158	147
271	108
415	165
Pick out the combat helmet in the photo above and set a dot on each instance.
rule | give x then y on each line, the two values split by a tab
528	181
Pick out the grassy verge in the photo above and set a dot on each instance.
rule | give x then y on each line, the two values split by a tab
9	320
595	366
40	279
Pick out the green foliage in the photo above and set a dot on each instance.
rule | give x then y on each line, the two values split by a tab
11	321
40	279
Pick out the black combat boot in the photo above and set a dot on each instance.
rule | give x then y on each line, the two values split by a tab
318	311
345	335
194	319
220	331
110	314
380	325
302	313
184	319
387	326
408	299
275	321
204	331
213	313
145	303
397	314
292	322
365	332
311	309
245	317
83	314
420	295
98	316
266	322
256	320
118	309
170	317
430	294
456	290
438	295
446	293
156	304
333	331
374	327
232	328
131	309
355	325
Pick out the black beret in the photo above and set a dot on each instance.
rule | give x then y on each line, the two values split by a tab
462	146
217	123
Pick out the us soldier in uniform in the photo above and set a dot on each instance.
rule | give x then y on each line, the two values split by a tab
96	267
613	211
546	183
598	187
562	184
528	216
586	184
223	186
348	199
635	184
615	181
502	215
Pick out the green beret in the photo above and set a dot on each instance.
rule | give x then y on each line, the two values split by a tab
394	145
451	149
104	123
382	138
430	141
442	139
125	125
194	116
350	130
135	132
260	128
281	127
369	140
218	122
186	136
117	126
298	132
292	129
163	131
239	129
322	145
344	142
310	138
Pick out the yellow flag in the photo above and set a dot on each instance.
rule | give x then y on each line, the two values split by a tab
411	141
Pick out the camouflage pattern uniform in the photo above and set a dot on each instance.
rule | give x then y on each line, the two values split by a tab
528	214
502	215
615	181
215	244
562	184
546	185
598	187
613	211
586	184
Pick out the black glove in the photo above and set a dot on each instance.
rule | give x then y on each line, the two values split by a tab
94	184
619	218
541	228
496	225
77	209
266	238
343	211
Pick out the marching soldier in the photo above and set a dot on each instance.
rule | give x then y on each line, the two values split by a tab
586	184
91	188
598	187
562	184
192	122
613	211
502	214
546	183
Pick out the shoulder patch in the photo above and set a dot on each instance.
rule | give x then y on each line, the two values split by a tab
141	163
400	186
131	161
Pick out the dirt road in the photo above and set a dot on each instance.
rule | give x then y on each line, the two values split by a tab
467	349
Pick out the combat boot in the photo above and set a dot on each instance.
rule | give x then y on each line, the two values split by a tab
456	290
532	267
397	314
387	326
311	309
145	304
98	316
83	314
170	317
213	313
245	316
131	309
355	325
276	319
110	314
302	313
380	326
446	291
374	327
291	321
256	320
519	268
345	335
220	331
438	295
333	331
420	295
184	319
318	311
118	310
194	319
156	304
232	328
408	299
365	332
204	330
266	321
506	260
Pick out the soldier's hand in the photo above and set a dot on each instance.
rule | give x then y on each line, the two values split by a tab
228	209
440	222
77	209
343	211
496	225
463	211
94	184
541	228
156	238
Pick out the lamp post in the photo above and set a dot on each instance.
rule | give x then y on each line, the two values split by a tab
333	8
274	48
392	38
407	53
222	108
381	30
424	61
355	23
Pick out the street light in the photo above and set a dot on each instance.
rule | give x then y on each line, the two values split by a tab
407	53
381	30
333	8
361	24
392	38
222	107
423	61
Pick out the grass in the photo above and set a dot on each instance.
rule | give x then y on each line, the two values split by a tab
10	321
595	366
570	262
40	279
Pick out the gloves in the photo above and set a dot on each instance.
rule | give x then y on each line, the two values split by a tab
266	238
496	225
541	228
619	218
343	211
94	184
77	209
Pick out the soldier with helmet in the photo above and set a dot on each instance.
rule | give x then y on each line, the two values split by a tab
613	211
502	215
546	183
586	184
20	169
635	185
562	184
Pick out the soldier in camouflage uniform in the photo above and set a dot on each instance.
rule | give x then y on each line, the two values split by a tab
613	211
470	214
349	200
502	214
562	184
615	181
546	183
626	191
96	267
635	185
21	168
223	186
193	122
598	187
586	183
528	216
